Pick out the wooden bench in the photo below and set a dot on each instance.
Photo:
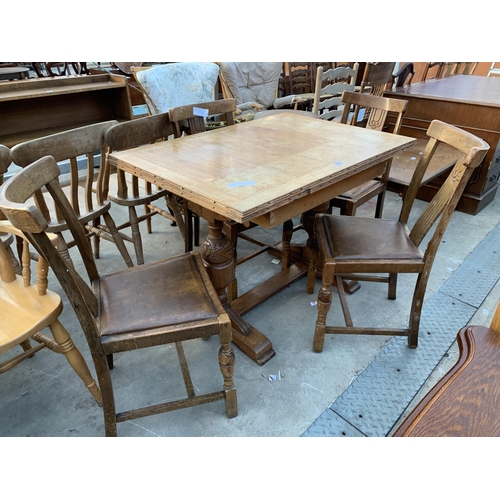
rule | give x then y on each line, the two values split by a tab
466	401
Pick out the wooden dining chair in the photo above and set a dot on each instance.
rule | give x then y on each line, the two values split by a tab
364	248
129	191
377	77
164	302
380	107
27	308
330	85
88	196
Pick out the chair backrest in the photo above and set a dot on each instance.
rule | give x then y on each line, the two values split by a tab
194	115
169	85
329	87
79	147
131	134
445	69
440	209
249	82
380	108
44	173
299	77
377	76
404	76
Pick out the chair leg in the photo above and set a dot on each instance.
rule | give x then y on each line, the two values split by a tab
226	365
136	235
188	236
393	279
149	224
110	224
62	247
380	205
75	358
196	230
96	238
324	303
287	234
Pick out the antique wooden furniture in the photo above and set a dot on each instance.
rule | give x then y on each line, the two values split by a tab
380	106
266	172
466	401
377	77
87	197
164	302
255	87
27	308
365	248
36	107
191	119
128	190
446	69
466	101
328	90
168	85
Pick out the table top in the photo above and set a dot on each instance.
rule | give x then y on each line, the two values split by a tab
481	90
247	170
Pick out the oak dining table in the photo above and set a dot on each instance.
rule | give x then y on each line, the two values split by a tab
266	172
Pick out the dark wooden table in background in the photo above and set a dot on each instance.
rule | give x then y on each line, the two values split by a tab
466	101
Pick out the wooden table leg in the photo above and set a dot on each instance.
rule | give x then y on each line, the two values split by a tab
217	252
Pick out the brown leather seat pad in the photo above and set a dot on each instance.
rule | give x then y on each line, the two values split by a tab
149	296
356	238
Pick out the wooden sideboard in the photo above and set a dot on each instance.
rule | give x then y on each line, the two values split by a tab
471	103
36	107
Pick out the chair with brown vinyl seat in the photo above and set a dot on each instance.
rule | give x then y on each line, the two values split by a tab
164	302
380	108
371	249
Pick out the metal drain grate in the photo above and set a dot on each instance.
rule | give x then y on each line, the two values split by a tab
372	404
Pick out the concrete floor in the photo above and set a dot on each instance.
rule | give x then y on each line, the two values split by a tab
44	397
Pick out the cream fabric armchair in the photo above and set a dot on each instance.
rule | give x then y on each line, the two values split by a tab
176	84
254	86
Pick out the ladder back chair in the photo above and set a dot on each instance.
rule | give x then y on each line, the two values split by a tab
87	196
27	309
330	84
164	302
369	248
380	108
129	191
